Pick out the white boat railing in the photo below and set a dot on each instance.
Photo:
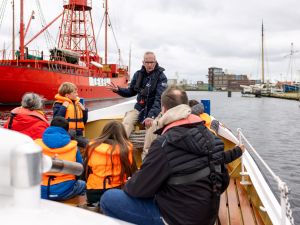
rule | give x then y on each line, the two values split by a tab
279	214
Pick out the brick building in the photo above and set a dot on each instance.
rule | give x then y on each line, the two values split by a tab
218	80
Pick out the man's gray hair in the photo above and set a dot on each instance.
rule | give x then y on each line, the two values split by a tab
149	53
32	101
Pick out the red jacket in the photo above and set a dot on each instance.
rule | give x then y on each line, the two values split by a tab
32	123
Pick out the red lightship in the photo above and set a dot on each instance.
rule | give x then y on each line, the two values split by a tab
75	59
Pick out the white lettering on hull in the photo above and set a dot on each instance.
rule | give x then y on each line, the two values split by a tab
98	81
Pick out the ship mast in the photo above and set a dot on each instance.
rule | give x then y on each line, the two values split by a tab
21	30
105	38
262	55
13	29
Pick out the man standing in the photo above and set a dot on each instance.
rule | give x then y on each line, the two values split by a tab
182	176
148	84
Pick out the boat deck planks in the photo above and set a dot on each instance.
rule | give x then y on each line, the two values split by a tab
246	208
224	210
235	207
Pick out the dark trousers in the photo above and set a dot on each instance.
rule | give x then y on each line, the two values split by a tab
94	195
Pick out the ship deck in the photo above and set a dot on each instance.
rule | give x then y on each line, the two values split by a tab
235	206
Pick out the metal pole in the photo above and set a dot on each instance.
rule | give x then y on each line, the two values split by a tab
45	28
28	25
129	63
13	30
262	55
105	38
21	30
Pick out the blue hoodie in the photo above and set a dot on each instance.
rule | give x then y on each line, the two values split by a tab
57	137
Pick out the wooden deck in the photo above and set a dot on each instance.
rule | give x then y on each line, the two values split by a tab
235	207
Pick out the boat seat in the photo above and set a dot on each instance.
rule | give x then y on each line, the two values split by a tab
137	138
235	207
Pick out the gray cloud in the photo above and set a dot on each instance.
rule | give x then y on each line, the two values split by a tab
190	36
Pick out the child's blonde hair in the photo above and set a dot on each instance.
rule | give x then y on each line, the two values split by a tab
66	88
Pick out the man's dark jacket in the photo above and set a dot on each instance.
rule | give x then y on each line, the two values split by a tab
148	87
185	151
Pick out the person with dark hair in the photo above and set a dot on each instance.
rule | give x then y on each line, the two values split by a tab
56	142
148	83
193	102
108	161
29	118
182	176
60	121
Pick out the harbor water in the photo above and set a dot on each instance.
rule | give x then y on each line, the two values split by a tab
273	128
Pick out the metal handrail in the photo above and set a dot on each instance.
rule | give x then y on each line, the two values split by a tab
286	210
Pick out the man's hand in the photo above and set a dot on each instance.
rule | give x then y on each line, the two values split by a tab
66	104
242	147
81	106
112	87
148	122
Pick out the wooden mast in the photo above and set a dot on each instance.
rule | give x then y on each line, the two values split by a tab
105	38
262	55
21	30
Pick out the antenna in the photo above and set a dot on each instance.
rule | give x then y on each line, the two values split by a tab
262	54
291	60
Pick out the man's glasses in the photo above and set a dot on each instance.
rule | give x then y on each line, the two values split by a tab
149	62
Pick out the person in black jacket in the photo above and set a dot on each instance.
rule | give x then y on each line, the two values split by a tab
181	178
148	84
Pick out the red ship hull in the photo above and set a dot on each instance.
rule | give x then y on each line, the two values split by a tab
44	78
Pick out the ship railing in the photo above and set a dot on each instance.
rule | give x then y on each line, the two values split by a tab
5	56
56	65
286	211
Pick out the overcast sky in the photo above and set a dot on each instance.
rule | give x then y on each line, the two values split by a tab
189	36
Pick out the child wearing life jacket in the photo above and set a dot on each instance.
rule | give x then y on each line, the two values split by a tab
56	142
108	161
67	104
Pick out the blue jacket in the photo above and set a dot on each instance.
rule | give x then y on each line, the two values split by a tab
148	88
57	137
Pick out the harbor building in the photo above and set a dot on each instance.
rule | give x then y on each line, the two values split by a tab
219	80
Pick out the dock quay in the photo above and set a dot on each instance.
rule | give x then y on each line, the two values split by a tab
290	96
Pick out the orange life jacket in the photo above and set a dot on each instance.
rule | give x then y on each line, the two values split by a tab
74	113
207	119
67	153
101	167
